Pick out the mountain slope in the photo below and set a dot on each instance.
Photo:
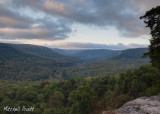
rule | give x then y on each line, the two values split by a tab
126	59
28	62
95	54
91	54
104	53
66	52
41	51
8	52
131	54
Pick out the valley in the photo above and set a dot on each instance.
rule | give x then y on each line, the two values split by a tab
24	62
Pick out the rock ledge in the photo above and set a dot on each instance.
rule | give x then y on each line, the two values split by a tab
142	105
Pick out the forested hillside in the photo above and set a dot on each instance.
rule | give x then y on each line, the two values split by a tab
131	54
40	51
28	62
92	54
104	67
86	66
81	96
122	61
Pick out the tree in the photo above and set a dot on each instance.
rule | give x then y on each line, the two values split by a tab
56	100
30	96
152	20
81	99
65	75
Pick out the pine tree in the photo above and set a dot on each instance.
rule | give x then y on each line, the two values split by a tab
152	20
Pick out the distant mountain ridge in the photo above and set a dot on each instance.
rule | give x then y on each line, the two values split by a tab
117	62
39	51
136	53
34	63
30	62
93	54
9	52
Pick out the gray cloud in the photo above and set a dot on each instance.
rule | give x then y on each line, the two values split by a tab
60	14
9	19
123	14
15	25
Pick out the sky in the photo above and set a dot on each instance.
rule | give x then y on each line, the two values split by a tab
76	24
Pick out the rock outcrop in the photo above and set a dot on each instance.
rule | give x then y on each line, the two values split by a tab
142	105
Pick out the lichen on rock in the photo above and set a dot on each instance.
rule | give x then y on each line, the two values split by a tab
142	105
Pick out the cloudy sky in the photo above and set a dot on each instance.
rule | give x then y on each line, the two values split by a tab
75	24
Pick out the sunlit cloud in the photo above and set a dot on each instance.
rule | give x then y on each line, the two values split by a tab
53	20
55	7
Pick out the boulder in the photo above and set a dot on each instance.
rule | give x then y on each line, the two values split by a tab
142	105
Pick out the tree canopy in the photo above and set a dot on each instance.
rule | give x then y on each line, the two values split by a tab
90	95
152	20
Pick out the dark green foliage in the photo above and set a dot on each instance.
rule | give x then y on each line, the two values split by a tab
81	96
64	75
81	100
56	99
28	62
92	54
104	67
127	59
152	20
30	96
37	63
130	54
41	52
